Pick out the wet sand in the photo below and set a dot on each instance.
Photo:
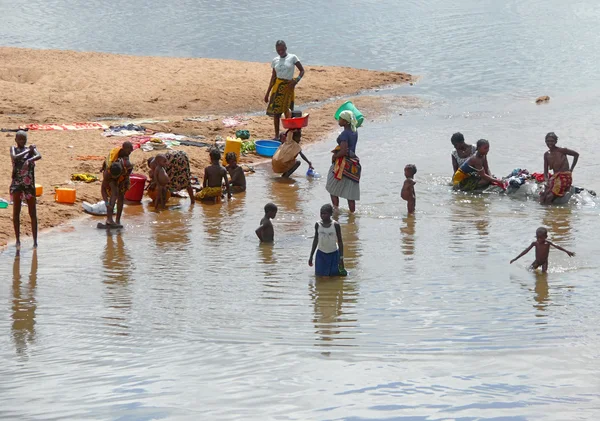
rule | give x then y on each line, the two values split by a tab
62	87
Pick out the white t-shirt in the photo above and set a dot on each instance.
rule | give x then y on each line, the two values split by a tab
284	67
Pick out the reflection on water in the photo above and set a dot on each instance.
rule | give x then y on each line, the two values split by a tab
117	267
557	219
24	305
333	301
408	236
541	296
469	216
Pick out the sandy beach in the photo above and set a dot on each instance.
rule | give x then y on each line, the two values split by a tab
63	87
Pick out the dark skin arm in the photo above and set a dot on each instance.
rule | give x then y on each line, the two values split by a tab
307	161
454	164
31	150
295	81
478	164
342	152
259	230
486	166
205	180
532	245
570	253
546	166
338	231
314	245
226	181
572	153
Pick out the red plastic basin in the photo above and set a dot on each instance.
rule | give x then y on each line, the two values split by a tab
295	122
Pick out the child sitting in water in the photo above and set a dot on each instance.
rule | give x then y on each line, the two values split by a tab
215	176
159	182
265	232
542	250
328	236
238	178
408	189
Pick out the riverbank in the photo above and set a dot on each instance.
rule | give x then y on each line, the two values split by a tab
45	86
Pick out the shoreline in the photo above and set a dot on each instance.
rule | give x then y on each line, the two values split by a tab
66	87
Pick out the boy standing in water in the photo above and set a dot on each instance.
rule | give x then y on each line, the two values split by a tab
542	250
215	175
265	232
559	183
408	189
329	245
158	189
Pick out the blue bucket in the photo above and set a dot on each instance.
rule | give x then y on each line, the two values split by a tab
266	147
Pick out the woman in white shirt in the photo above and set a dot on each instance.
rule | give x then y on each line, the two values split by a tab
280	93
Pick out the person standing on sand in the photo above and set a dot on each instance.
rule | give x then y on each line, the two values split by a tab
22	186
556	159
343	179
280	93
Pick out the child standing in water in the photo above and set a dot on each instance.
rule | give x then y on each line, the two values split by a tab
23	184
542	250
265	232
556	159
328	236
215	175
238	178
158	189
408	189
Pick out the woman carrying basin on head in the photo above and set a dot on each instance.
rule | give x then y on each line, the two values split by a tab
472	174
280	93
343	179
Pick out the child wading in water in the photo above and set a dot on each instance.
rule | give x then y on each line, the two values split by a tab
265	232
328	236
238	178
23	184
408	189
215	176
556	159
542	250
158	189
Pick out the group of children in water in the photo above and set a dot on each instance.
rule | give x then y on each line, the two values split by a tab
470	165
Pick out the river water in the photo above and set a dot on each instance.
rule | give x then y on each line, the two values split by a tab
183	315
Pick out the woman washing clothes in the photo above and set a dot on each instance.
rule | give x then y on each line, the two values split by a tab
280	93
177	167
462	152
472	174
343	179
116	170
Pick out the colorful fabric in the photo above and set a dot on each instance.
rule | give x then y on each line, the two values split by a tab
112	157
350	118
344	188
282	98
327	264
347	167
23	178
178	170
75	126
465	181
560	183
209	192
122	186
85	177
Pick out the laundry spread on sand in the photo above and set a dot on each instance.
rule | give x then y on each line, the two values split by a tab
169	136
74	126
201	119
85	177
124	130
136	141
236	120
195	143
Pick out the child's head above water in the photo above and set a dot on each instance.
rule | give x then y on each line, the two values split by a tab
215	155
483	146
271	210
541	233
231	158
116	169
326	212
410	170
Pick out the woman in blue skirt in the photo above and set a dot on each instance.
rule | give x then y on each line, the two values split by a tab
328	236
